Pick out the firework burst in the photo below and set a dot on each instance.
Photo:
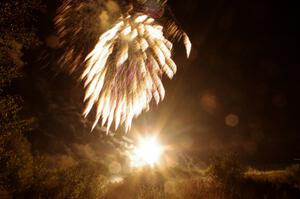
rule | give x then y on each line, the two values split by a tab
122	73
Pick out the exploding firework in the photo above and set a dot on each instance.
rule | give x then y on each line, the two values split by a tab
122	73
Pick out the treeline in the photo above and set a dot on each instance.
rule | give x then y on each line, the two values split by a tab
24	173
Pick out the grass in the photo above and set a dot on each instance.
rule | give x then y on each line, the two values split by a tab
252	184
224	179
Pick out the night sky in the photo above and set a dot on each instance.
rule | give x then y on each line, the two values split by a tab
243	66
239	91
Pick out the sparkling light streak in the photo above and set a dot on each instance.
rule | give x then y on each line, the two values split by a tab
123	72
120	54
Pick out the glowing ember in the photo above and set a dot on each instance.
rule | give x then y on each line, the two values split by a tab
147	153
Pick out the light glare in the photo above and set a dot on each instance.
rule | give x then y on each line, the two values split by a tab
147	152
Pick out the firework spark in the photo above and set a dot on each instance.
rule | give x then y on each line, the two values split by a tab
122	73
123	70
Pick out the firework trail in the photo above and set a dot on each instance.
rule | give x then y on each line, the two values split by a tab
122	73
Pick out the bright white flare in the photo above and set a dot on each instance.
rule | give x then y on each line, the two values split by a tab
147	152
123	71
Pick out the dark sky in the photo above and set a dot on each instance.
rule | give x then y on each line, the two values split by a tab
243	66
239	91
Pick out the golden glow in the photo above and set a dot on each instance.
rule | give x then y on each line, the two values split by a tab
147	153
